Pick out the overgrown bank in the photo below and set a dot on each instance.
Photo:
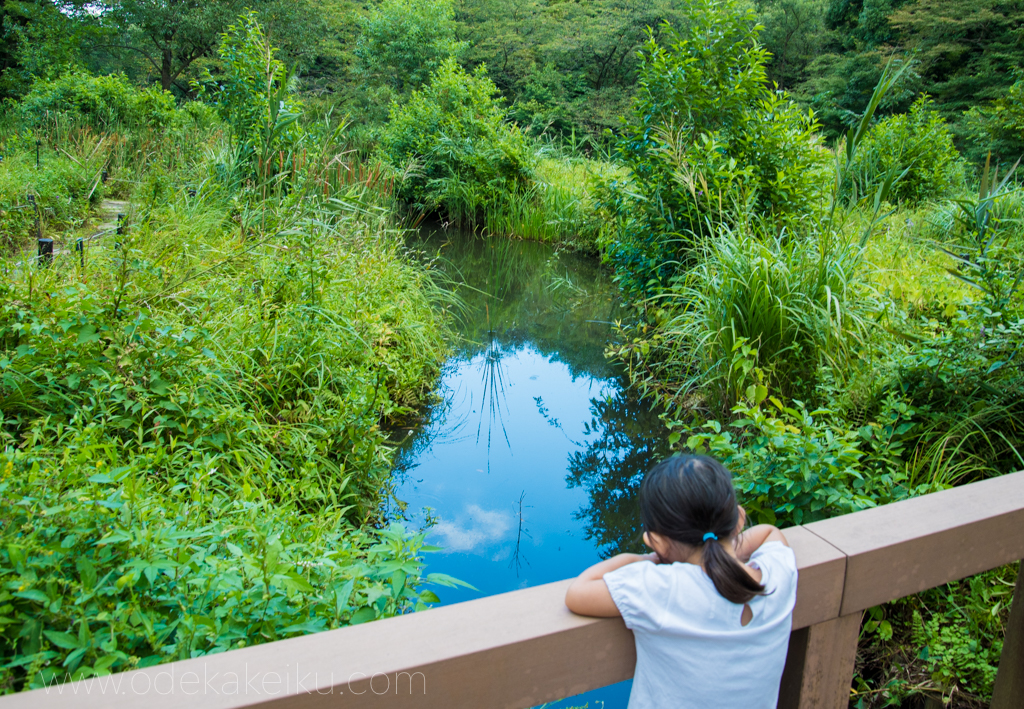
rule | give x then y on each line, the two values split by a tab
191	410
841	327
191	419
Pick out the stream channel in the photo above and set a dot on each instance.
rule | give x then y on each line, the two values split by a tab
527	467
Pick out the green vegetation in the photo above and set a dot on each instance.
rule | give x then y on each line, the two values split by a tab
455	146
190	412
736	150
781	337
810	206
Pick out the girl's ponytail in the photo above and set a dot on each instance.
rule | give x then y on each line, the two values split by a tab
690	499
730	578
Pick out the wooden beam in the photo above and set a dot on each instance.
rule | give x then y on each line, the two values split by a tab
819	593
1009	689
901	549
819	667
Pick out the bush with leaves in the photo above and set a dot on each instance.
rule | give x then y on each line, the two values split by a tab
106	568
706	142
402	42
916	146
457	150
104	102
253	95
791	465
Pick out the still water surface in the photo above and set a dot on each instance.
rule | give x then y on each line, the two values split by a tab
529	465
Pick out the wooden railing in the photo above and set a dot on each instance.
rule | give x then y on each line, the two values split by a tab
524	648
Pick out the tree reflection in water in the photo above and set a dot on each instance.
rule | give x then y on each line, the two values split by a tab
625	440
493	393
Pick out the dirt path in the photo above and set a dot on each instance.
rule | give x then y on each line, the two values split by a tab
108	211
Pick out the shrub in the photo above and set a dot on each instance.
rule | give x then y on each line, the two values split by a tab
104	102
403	42
919	143
706	142
455	145
253	96
791	465
999	128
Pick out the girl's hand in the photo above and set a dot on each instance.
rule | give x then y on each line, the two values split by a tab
588	594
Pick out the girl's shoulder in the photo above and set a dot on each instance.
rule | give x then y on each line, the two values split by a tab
774	554
777	563
640	590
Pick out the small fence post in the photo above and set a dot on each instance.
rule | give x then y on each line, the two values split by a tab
819	667
45	251
80	248
1009	687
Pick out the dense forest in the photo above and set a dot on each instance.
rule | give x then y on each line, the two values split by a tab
810	207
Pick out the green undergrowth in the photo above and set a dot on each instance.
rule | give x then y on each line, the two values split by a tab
191	422
843	332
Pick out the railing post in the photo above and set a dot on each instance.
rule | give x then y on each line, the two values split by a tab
819	667
1009	686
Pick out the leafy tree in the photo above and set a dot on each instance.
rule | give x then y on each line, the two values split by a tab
968	49
706	141
964	53
41	39
793	35
403	42
171	35
253	97
999	127
566	65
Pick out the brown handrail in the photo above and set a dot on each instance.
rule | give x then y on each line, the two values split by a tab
524	648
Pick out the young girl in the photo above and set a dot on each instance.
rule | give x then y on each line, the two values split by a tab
711	608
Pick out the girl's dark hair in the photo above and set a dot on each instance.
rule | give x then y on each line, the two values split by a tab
685	497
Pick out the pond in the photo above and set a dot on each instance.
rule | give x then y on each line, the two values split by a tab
527	467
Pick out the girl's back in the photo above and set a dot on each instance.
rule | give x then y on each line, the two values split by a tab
712	607
692	648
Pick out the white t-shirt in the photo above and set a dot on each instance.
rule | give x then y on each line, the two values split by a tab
692	652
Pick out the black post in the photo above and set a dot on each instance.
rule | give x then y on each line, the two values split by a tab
121	228
38	143
80	248
104	176
45	252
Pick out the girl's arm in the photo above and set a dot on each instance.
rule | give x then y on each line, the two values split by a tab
588	594
751	540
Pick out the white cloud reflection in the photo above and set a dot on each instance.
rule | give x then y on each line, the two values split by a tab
474	528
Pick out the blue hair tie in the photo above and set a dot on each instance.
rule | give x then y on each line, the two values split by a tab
710	535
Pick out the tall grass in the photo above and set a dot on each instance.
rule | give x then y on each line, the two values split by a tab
220	376
799	310
558	208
